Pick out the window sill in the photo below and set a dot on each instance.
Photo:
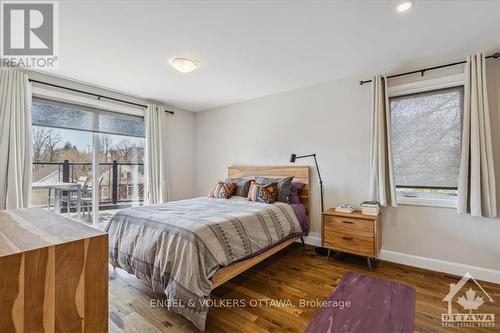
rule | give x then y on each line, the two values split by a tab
429	202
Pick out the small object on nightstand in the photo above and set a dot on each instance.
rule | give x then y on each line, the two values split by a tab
355	233
345	208
370	208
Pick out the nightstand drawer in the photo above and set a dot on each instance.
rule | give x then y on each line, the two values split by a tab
349	243
349	225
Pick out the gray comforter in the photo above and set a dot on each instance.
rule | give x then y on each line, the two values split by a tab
177	247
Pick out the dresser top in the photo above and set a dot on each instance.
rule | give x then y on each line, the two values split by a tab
356	214
28	229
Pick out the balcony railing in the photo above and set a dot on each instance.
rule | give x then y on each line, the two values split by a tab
119	182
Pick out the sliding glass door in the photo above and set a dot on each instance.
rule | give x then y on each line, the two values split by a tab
99	152
120	156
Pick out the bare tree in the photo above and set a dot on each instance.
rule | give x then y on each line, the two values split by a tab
50	149
105	142
124	151
130	151
39	139
45	143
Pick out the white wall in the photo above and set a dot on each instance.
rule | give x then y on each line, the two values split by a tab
180	135
181	154
332	119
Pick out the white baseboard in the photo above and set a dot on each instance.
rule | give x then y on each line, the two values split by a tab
480	273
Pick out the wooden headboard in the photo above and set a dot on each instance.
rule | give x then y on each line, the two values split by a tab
300	174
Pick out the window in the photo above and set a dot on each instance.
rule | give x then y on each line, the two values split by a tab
65	137
426	145
130	190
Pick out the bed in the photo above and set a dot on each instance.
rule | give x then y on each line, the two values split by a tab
185	249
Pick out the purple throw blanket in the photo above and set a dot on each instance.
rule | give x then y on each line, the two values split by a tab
301	213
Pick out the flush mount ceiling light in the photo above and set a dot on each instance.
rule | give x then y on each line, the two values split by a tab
183	65
404	6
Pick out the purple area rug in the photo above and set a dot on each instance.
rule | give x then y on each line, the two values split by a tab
376	305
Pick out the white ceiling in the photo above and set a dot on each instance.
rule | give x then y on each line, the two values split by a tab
251	49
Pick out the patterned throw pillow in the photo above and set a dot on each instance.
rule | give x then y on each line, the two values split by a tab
284	185
263	193
222	191
242	185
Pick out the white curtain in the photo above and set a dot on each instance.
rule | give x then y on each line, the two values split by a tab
156	156
16	144
382	186
476	182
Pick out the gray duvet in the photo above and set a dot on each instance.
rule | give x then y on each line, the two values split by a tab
177	247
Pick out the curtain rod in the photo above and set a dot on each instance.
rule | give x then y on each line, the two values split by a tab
92	94
423	70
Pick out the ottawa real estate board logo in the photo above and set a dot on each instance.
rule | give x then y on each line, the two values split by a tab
468	294
30	34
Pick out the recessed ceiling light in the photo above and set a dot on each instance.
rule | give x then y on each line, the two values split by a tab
403	6
183	65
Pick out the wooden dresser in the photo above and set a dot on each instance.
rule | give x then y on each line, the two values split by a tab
53	274
354	233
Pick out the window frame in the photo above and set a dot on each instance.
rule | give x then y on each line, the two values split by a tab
444	201
421	198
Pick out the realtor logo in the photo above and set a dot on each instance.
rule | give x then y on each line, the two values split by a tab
29	34
469	299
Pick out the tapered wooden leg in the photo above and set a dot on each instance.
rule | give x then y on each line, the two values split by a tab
369	263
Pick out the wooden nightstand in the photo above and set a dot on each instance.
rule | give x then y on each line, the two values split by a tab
354	233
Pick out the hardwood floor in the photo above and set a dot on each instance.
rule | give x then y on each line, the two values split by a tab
295	273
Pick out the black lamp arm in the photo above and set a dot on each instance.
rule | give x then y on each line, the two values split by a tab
320	183
319	176
310	155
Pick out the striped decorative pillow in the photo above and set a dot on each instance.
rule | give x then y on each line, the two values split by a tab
284	185
222	191
263	193
242	185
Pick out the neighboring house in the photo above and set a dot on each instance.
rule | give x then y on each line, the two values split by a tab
47	174
130	184
44	174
